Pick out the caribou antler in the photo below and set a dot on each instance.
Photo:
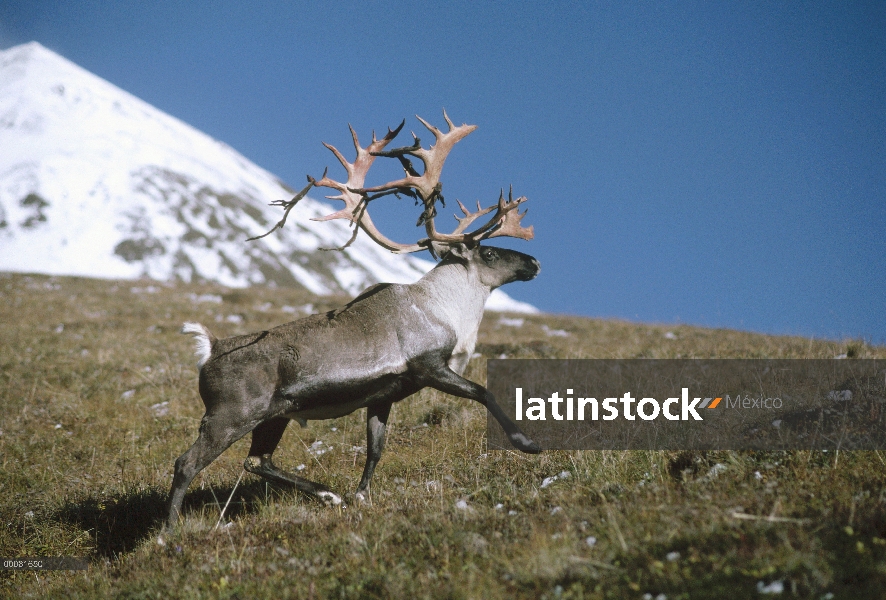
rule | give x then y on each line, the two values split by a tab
428	188
505	222
356	202
425	187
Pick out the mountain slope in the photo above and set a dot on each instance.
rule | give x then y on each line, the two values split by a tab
95	182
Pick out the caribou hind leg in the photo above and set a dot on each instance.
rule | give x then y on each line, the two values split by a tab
215	437
265	438
376	425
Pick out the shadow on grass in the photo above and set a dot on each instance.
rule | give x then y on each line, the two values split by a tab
117	524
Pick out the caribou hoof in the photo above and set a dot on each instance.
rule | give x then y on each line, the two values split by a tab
524	444
329	498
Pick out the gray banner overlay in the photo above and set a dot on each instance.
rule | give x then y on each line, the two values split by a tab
53	563
692	404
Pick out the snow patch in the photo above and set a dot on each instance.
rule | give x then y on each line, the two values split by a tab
500	302
511	322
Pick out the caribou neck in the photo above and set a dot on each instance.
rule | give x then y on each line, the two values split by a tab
454	293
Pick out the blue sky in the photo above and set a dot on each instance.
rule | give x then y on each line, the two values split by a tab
719	164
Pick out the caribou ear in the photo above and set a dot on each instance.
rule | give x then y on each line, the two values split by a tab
437	249
458	250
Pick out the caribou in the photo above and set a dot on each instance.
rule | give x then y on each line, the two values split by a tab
388	343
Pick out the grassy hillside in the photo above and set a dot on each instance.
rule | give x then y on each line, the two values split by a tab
99	396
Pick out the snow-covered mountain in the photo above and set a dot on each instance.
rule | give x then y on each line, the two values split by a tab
95	182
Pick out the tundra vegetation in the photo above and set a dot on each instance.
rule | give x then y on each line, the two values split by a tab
99	396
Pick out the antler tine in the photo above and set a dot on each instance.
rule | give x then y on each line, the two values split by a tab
448	120
354	137
378	145
437	133
287	205
465	222
348	166
509	225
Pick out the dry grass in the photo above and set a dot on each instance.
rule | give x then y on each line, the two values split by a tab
86	466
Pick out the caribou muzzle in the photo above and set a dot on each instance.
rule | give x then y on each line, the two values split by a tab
530	269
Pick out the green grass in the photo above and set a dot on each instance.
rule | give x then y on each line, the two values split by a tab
87	463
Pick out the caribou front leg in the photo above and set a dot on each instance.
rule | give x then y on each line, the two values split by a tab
446	380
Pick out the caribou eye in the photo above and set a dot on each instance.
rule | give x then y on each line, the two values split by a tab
489	254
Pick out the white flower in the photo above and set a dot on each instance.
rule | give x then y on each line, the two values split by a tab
161	409
549	480
716	470
776	587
